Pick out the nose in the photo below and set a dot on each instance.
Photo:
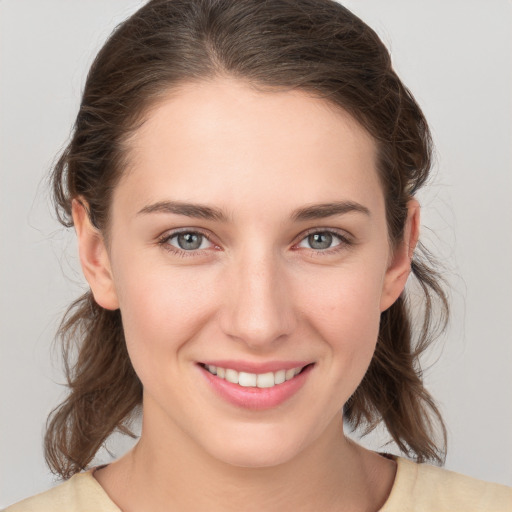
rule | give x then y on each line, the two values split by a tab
258	309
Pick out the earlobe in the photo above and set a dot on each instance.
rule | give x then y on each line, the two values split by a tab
400	265
94	257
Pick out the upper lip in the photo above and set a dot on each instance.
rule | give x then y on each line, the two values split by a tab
253	367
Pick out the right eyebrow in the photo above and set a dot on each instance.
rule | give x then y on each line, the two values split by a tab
197	211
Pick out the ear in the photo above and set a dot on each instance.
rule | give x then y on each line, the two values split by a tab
94	257
400	264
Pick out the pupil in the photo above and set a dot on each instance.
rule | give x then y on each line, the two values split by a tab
189	241
320	240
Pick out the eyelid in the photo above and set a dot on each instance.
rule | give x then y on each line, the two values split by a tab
346	241
345	238
166	236
340	233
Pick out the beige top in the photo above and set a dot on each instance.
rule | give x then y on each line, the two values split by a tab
417	488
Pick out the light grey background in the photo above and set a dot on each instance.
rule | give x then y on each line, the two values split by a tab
456	58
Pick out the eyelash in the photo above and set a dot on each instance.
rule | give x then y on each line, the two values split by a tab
344	242
164	242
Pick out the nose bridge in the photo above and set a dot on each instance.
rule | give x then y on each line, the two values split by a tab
259	309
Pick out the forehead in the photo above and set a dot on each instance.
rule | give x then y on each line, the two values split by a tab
225	142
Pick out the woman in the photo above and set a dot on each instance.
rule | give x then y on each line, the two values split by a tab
241	180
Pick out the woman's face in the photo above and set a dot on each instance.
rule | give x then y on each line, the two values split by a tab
249	234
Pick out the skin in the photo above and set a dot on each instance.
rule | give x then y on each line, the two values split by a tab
257	291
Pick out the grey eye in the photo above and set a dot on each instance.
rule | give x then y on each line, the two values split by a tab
189	241
321	240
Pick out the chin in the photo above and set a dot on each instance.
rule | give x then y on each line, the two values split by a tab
261	449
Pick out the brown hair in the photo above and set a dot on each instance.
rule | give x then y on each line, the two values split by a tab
317	46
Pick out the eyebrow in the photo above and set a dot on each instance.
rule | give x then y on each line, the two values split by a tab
199	211
193	210
322	210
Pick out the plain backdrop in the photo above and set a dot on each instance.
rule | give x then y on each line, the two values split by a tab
454	55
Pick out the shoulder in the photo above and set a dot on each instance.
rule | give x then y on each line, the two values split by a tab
81	493
426	488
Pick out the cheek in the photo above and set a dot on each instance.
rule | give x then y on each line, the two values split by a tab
348	298
161	311
344	310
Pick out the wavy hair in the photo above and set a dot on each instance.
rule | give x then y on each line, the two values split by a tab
317	46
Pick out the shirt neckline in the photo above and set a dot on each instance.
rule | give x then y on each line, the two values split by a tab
396	488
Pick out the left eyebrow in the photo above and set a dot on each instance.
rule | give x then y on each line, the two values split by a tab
323	210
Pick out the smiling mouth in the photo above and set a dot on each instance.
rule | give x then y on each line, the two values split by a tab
255	380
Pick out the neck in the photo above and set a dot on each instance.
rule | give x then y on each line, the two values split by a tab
172	473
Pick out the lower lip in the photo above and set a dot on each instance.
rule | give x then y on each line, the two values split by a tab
256	398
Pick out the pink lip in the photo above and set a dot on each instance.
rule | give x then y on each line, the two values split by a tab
256	398
249	367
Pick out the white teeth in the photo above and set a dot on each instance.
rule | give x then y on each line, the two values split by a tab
231	376
290	374
265	380
261	380
247	379
280	376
